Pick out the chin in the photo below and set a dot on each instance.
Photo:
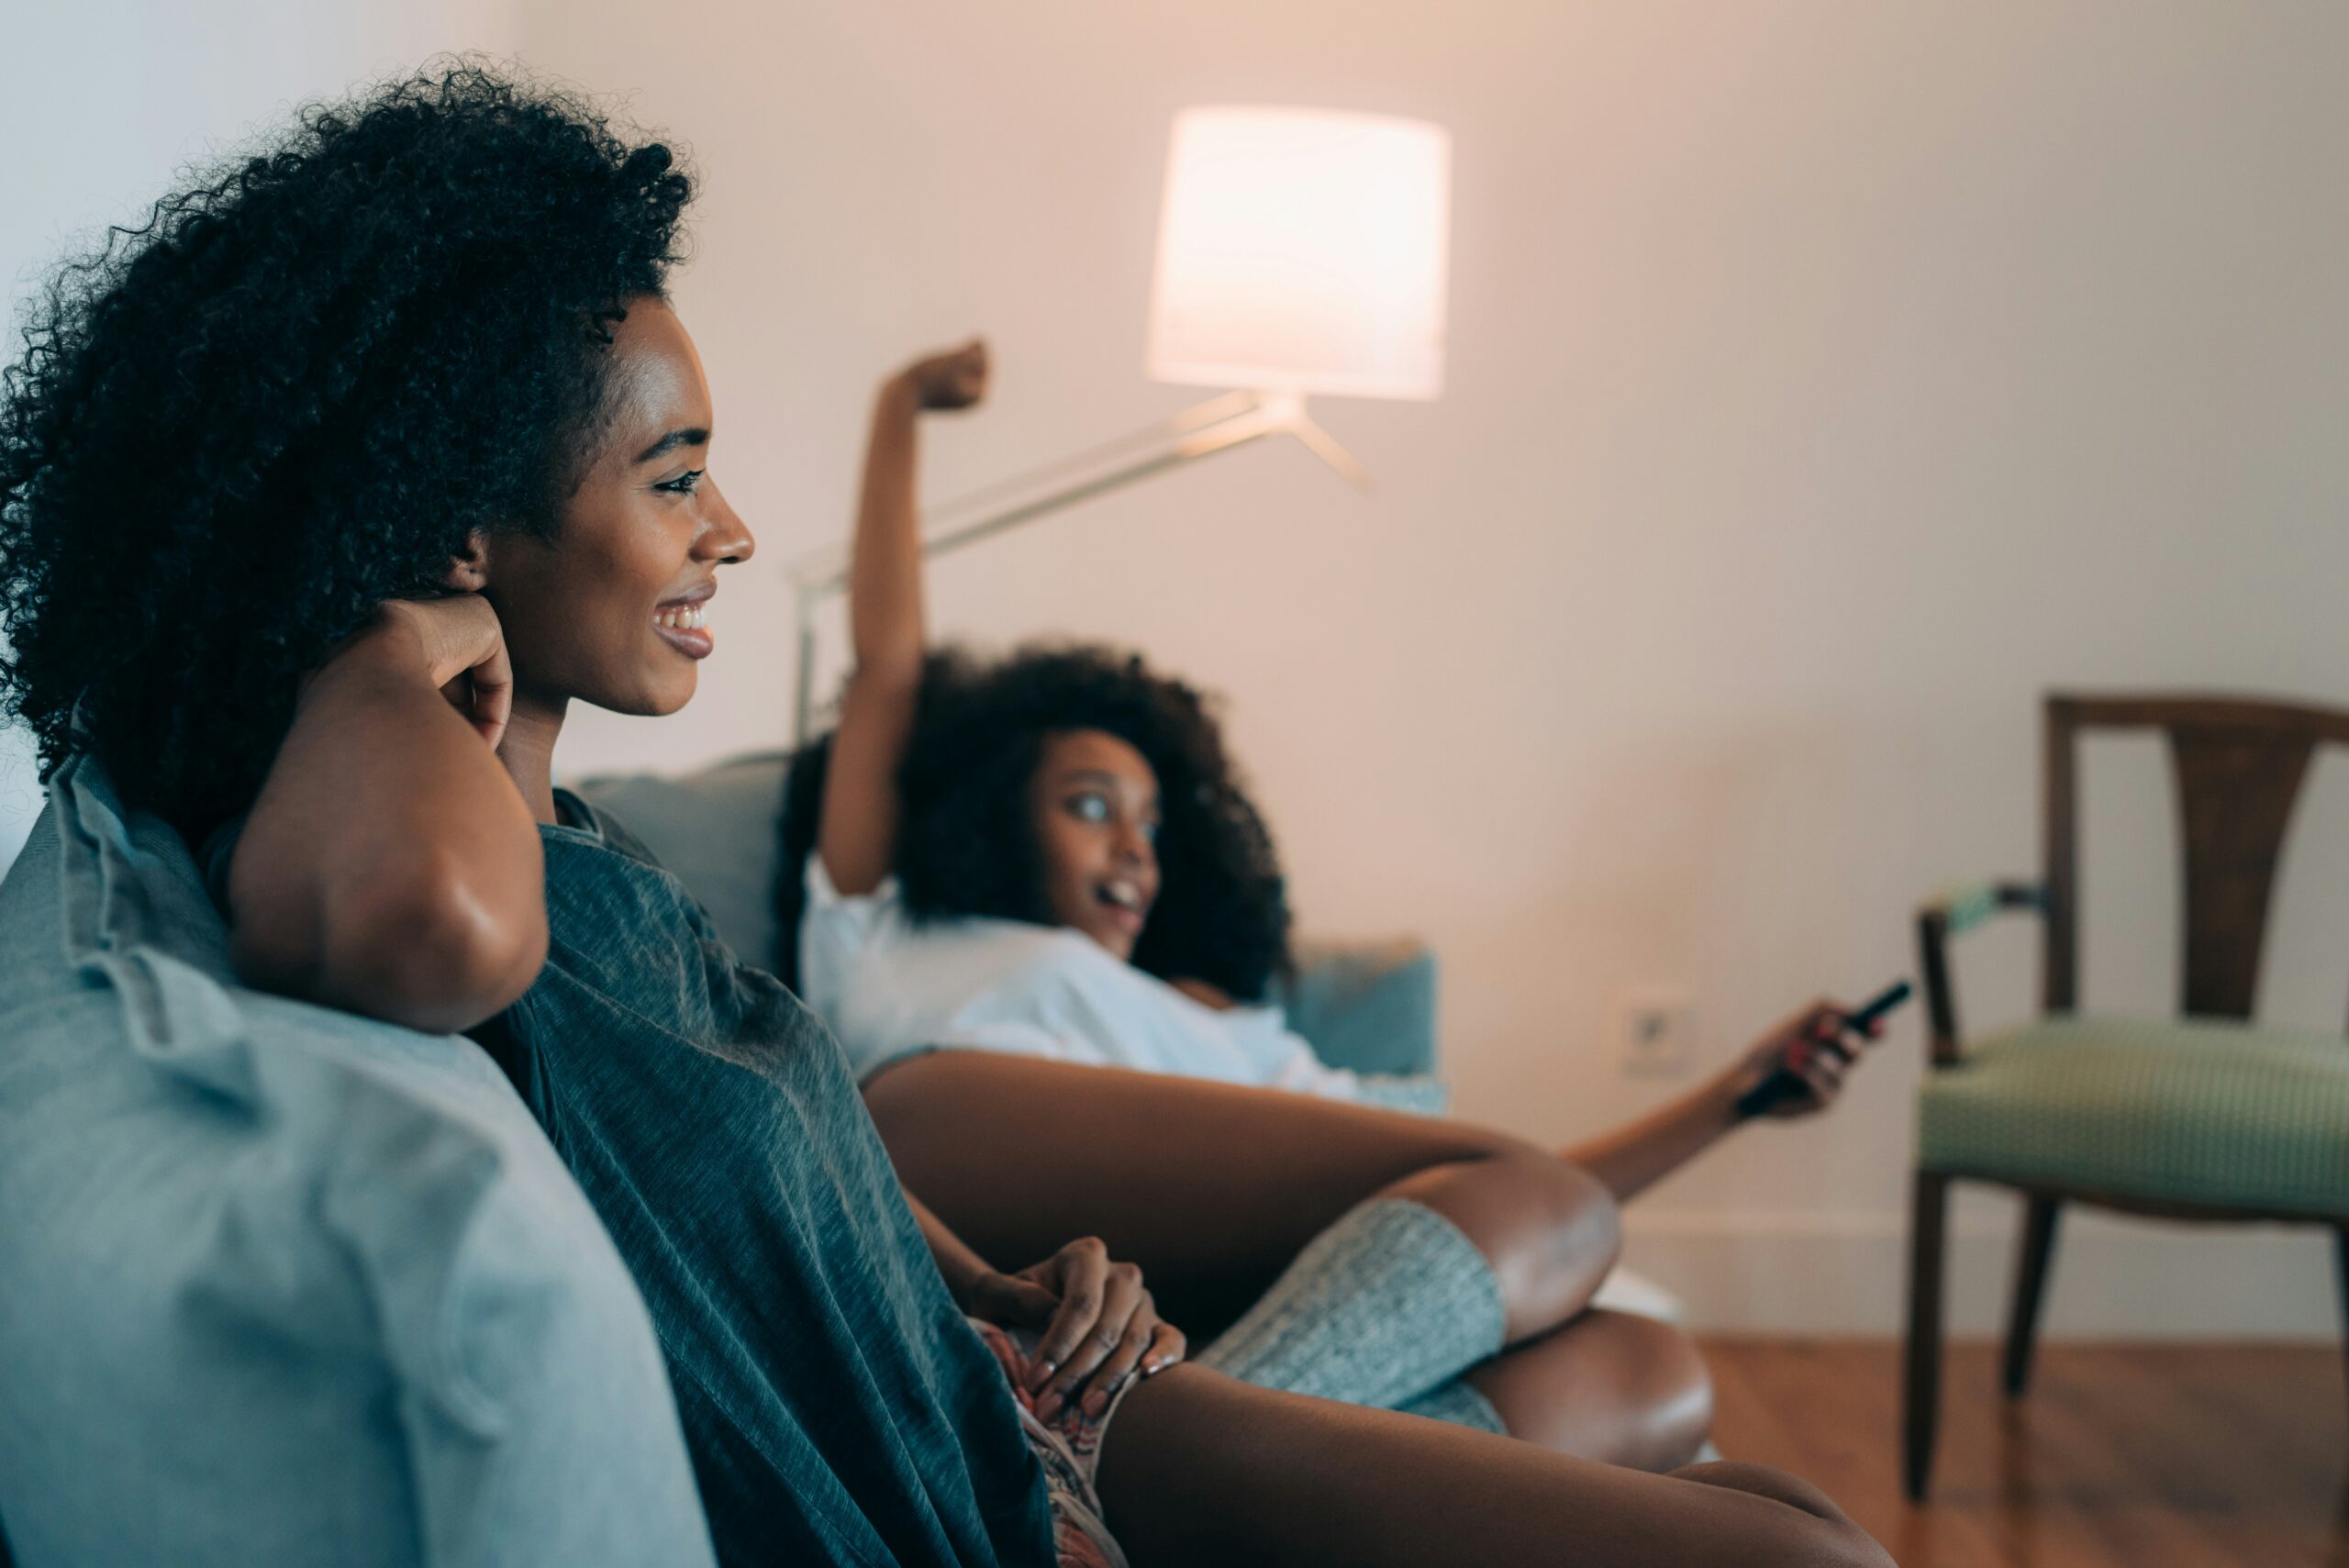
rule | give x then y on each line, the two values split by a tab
671	693
657	701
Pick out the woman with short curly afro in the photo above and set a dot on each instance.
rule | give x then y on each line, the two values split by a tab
295	393
323	495
1001	878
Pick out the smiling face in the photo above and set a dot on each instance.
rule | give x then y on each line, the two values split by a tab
613	609
1093	804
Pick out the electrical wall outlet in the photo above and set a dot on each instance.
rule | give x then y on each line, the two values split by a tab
1652	1031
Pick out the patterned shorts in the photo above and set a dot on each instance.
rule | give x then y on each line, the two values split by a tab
1068	1447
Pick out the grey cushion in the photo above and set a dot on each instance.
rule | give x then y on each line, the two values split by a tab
284	1286
1367	1005
717	831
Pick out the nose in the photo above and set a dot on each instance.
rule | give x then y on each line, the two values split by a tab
725	537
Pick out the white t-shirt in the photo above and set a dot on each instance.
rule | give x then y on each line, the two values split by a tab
890	988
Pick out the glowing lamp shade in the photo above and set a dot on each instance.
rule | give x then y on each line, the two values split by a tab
1303	250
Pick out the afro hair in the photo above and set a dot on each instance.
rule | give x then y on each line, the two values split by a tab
966	844
290	395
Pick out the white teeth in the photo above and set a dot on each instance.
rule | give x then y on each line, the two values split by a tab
692	618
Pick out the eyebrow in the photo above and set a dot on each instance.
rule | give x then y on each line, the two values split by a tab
691	436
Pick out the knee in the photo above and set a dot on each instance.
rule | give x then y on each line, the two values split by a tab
1671	1388
1583	1214
1549	1229
1532	1193
1556	1263
1612	1387
1826	1539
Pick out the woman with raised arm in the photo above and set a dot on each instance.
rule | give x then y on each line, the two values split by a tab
1001	878
321	499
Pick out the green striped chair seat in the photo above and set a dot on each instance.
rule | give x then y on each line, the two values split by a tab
2193	1112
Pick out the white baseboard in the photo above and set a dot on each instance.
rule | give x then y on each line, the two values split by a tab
2113	1278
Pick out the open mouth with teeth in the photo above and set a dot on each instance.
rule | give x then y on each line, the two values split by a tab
1124	896
685	627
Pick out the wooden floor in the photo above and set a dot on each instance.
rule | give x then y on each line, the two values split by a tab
2170	1456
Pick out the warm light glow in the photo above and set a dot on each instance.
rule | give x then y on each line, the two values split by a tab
1303	249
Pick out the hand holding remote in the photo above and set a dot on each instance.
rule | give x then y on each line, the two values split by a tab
1813	1053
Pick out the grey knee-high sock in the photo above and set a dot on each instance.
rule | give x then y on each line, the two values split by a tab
1389	1304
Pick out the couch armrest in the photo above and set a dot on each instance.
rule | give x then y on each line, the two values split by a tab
1365	1005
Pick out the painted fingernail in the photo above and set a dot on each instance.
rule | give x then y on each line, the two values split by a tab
1042	1373
1096	1402
1049	1406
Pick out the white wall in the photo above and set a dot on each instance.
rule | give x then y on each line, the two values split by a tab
1827	380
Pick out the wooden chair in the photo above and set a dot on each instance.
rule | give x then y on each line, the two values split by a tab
2204	1116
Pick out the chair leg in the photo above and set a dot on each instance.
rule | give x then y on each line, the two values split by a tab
2341	1268
1928	1226
2031	1259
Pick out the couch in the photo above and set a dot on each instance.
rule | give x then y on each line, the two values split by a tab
1369	1005
287	1286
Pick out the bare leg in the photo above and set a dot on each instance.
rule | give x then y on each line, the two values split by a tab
1198	1468
1214	1188
1610	1386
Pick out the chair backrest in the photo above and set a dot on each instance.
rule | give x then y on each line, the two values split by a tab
2239	764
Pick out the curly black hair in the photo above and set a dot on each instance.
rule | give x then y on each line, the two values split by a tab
290	394
966	846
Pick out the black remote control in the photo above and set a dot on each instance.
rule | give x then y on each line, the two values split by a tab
1785	1085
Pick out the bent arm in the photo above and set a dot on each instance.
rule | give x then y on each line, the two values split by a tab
858	833
390	866
858	837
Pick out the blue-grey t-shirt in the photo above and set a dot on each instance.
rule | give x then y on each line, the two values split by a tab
838	1408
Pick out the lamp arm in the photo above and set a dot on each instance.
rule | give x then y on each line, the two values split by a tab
1218	425
1324	445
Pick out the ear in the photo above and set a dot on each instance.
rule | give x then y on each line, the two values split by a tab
469	568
